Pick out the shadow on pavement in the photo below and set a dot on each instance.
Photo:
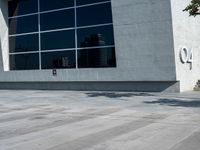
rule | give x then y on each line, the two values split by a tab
175	102
116	94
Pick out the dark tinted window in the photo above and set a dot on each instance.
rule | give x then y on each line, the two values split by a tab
95	36
55	4
83	2
59	15
24	43
23	24
24	61
21	7
63	59
57	19
96	58
95	14
58	40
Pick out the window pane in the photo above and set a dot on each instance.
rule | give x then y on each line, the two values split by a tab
95	14
24	43
57	19
83	2
52	4
24	61
96	36
58	40
23	24
96	58
21	7
63	59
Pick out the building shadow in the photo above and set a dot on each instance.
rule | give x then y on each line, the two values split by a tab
116	94
176	102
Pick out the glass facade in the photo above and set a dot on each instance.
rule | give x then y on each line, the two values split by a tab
48	34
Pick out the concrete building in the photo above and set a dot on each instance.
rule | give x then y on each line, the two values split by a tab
127	45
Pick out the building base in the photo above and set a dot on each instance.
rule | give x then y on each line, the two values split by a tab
156	86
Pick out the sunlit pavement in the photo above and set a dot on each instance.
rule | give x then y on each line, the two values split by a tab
68	120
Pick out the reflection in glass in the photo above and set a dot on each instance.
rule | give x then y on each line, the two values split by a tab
62	59
24	43
54	36
57	20
58	40
21	7
83	2
96	58
52	4
95	14
95	36
24	61
23	24
93	40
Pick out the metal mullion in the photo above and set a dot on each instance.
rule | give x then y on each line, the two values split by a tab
21	34
97	25
91	4
96	47
39	36
57	50
54	10
18	53
19	16
54	30
75	23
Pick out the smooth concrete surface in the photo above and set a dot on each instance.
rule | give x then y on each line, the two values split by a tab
68	120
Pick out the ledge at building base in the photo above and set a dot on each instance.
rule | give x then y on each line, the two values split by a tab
140	86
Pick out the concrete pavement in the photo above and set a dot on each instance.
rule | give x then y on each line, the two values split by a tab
69	120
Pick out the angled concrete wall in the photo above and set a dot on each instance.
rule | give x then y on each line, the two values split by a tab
144	39
186	32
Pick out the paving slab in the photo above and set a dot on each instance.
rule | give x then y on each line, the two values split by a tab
85	120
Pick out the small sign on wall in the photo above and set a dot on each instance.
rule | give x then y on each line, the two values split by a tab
54	72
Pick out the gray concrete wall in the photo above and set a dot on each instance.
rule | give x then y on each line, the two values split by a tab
144	47
186	33
4	55
143	35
